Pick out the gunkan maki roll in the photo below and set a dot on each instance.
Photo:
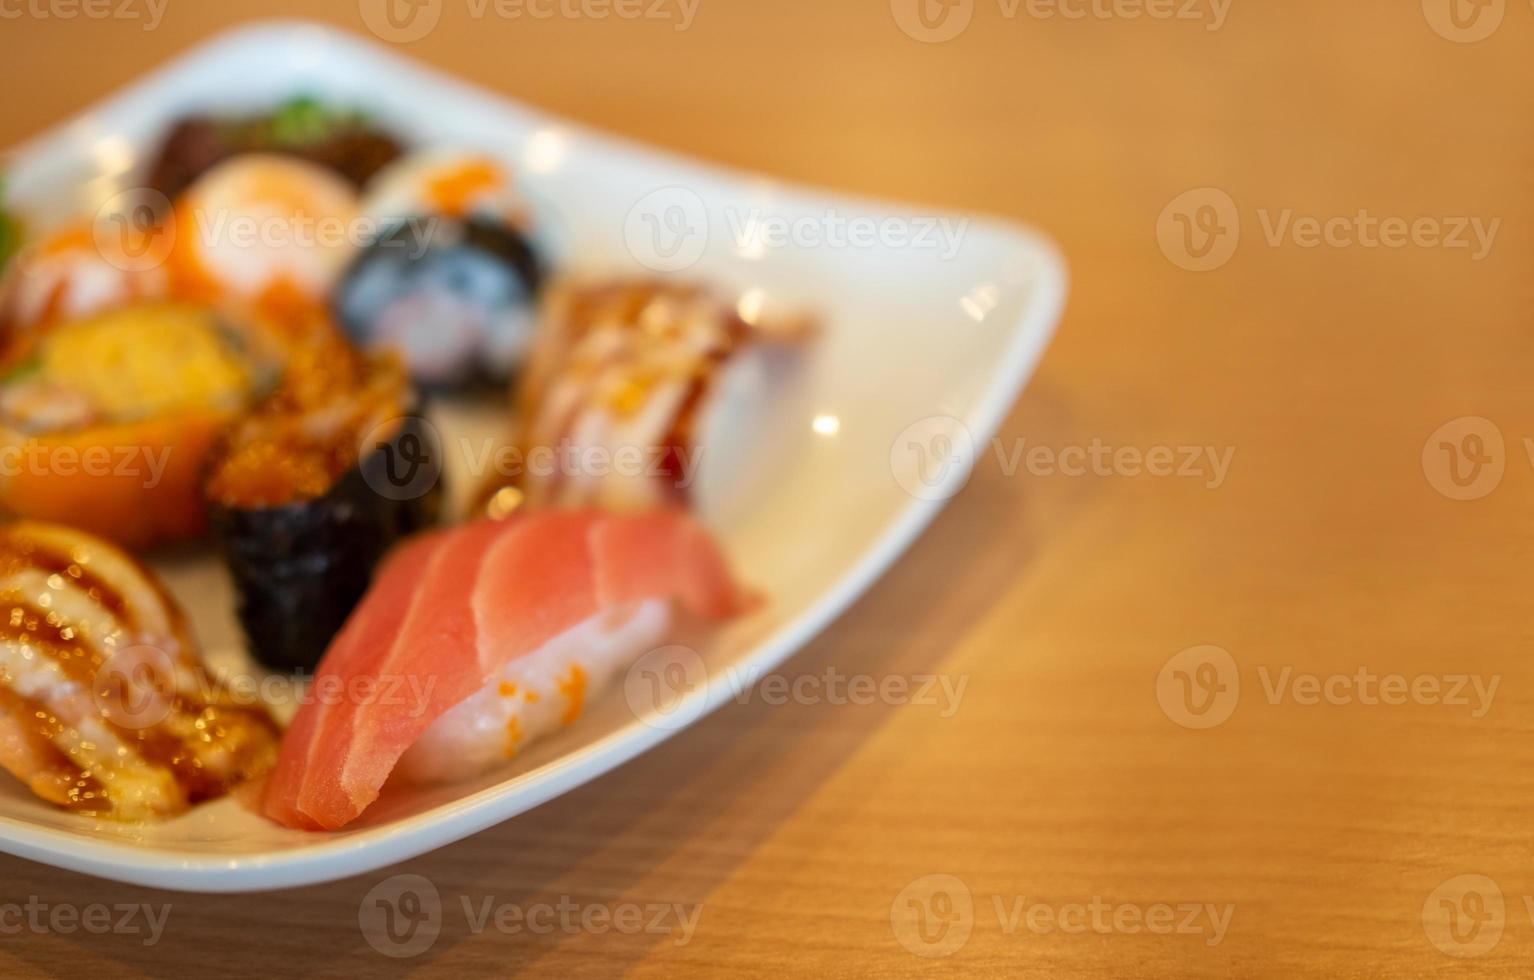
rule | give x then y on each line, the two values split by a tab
308	492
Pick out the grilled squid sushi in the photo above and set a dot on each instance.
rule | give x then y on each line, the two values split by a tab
452	283
105	709
629	371
264	228
308	491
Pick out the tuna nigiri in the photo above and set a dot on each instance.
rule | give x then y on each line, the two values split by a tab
475	640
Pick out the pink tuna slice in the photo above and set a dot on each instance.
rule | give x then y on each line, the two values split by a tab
447	612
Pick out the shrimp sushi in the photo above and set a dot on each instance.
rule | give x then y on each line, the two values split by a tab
485	637
82	269
273	230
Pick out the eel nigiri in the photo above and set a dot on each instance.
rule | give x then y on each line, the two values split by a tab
475	640
105	709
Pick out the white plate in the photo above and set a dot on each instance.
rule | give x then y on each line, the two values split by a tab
924	347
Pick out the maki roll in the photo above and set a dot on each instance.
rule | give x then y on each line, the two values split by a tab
451	285
309	491
458	306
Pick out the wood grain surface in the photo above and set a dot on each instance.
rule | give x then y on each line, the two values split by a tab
1037	829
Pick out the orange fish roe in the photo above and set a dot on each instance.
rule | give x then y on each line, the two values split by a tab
453	191
574	690
513	737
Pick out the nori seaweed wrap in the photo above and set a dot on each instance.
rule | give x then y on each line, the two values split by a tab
312	489
454	297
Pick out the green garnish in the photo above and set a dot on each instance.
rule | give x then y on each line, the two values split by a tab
11	232
22	370
305	120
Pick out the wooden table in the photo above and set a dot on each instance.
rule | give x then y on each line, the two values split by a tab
1066	794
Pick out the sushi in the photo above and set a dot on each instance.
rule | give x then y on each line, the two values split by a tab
343	141
446	183
626	368
486	636
107	422
310	489
452	283
79	270
105	709
273	230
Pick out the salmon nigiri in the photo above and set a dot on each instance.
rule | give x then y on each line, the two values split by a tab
475	640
